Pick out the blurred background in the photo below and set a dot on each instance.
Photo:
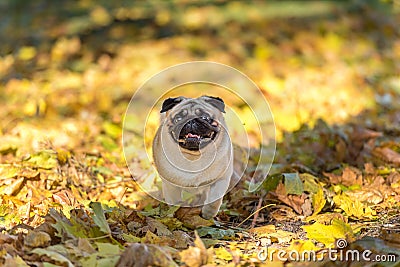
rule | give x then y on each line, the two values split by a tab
69	68
328	59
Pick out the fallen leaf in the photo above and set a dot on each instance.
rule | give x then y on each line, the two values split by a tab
281	236
216	233
36	239
353	207
195	256
318	201
157	227
293	183
302	245
85	246
54	255
139	255
191	219
310	182
294	201
328	234
64	197
350	176
99	218
263	231
46	159
183	240
107	249
14	187
223	254
16	261
387	155
8	171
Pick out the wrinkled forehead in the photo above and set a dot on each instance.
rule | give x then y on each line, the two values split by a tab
190	105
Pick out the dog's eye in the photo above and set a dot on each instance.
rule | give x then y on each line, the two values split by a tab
178	118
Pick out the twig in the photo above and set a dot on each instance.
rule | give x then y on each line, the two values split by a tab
269	205
253	223
119	202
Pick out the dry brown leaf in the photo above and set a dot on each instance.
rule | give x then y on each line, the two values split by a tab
190	218
64	197
139	255
369	196
195	256
350	176
361	133
294	201
369	168
183	240
387	155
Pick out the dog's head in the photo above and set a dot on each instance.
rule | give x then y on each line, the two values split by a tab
194	122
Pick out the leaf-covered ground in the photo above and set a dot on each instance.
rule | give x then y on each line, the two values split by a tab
330	72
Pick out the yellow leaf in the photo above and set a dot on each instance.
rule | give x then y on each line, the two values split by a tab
354	207
281	236
302	245
263	231
223	254
328	234
318	201
27	52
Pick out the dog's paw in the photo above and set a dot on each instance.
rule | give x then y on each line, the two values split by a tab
210	210
208	213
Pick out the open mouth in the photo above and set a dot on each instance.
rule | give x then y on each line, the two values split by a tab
196	133
196	138
195	141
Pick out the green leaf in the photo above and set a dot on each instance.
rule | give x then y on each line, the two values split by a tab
89	261
107	249
216	233
293	184
99	218
272	182
107	262
48	264
65	226
131	238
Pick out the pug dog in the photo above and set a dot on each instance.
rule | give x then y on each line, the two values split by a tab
193	154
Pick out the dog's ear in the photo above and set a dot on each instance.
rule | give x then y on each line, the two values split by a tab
170	103
216	102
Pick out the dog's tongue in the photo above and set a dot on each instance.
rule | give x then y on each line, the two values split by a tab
189	135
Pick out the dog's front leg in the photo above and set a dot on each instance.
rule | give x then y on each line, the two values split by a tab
210	210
